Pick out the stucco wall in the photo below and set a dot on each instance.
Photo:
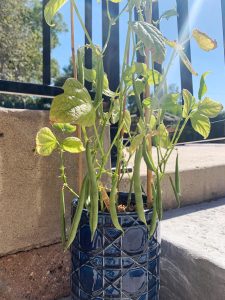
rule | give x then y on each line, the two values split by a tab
29	184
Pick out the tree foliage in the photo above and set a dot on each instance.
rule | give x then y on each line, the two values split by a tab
21	40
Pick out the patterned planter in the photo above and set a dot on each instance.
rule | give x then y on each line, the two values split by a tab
115	266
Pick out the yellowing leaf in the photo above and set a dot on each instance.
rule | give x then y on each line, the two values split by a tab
209	107
162	137
46	142
51	9
204	41
72	145
201	124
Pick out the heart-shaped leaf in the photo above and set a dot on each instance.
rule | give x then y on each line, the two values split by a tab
201	124
72	145
209	107
51	9
46	142
73	106
189	102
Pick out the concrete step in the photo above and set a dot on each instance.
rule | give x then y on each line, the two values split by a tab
193	252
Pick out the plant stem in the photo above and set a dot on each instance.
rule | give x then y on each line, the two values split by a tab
83	26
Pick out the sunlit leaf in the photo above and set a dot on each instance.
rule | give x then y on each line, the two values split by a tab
140	68
162	137
154	77
89	74
152	39
203	87
73	106
153	122
147	102
46	142
209	107
189	101
115	111
64	127
204	41
201	124
73	145
52	7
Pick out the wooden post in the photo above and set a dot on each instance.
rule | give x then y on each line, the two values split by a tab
80	160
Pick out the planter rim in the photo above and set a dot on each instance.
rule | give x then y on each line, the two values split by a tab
120	214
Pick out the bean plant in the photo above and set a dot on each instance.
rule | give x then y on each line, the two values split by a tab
77	108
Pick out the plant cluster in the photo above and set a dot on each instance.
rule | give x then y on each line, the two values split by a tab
140	80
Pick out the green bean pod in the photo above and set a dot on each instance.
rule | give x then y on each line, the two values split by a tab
94	195
159	196
154	214
76	219
137	185
148	157
112	204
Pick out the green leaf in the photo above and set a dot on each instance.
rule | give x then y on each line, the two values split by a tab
204	41
73	106
201	124
169	13
162	138
209	107
89	74
140	85
169	103
135	143
189	102
72	145
64	127
46	142
154	77
51	9
147	102
140	68
203	87
153	122
127	121
115	111
152	39
106	89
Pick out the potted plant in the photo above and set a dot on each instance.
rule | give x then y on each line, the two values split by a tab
114	236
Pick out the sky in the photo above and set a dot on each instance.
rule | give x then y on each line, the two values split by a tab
205	15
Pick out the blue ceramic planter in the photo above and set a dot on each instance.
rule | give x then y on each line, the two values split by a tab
115	266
